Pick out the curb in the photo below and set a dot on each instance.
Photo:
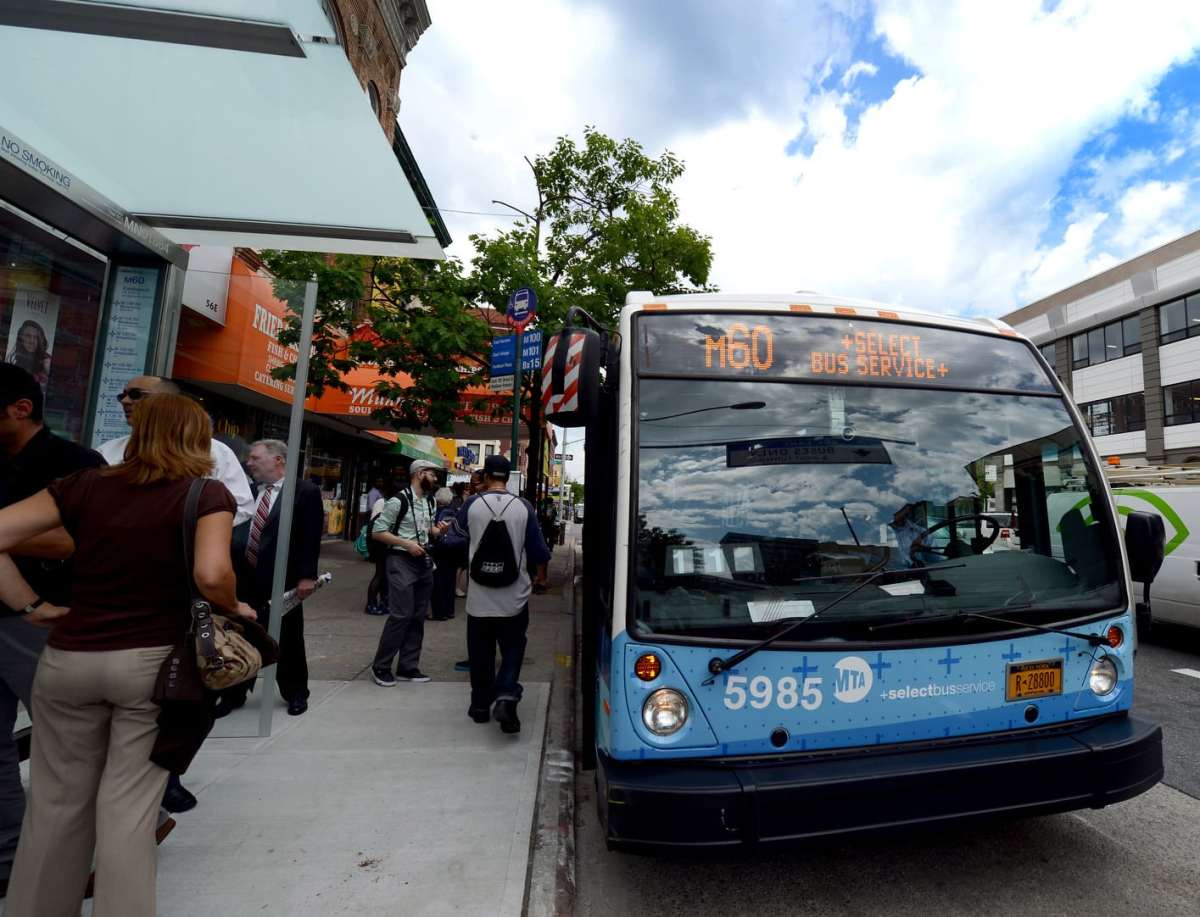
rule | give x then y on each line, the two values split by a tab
550	887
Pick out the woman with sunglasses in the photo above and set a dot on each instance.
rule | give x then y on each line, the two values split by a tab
93	787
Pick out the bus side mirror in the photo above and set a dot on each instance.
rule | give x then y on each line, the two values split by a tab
1145	537
571	377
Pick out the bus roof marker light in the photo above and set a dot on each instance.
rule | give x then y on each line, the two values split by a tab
655	307
648	667
844	310
800	307
894	316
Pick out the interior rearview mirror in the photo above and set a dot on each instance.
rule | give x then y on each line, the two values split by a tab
571	377
1145	537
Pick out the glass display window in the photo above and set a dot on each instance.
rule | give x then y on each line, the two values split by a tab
50	304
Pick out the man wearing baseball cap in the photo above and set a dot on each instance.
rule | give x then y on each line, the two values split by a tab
505	545
407	527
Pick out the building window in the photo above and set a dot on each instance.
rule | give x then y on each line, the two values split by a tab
1048	353
1179	319
1181	403
1122	414
373	95
489	449
1108	342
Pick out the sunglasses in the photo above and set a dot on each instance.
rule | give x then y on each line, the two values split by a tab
133	394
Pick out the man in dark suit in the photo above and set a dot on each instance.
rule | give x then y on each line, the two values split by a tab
254	559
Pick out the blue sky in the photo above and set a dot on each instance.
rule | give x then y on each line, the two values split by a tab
962	157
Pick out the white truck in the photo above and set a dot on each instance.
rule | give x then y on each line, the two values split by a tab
1174	494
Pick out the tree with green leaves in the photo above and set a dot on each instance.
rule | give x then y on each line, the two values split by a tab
413	319
606	222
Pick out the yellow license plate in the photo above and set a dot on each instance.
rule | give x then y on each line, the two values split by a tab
1025	680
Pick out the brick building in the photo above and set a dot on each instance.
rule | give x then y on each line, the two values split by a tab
377	36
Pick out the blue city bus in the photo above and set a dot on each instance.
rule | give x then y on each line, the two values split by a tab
798	616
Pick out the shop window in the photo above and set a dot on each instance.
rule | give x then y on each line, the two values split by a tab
489	449
1179	319
50	303
1108	342
1122	414
1181	403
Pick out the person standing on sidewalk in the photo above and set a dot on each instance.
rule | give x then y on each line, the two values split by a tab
254	557
93	787
505	545
445	559
378	552
407	526
226	467
30	458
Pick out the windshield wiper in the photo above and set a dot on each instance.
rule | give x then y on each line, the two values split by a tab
717	665
986	615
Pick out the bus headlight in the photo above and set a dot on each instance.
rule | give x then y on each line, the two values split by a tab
665	712
1103	676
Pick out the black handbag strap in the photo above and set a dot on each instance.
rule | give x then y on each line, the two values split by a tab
190	510
201	610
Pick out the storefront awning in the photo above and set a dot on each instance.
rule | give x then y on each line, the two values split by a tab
215	146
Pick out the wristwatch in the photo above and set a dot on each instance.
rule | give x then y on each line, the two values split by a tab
33	606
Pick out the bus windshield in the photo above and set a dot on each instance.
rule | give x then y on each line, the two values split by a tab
762	500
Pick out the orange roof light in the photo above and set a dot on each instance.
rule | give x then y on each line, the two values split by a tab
648	667
1114	460
800	307
655	307
892	315
844	310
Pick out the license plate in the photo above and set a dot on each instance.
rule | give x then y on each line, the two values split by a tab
1025	680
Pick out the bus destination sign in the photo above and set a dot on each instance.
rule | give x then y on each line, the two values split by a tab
835	350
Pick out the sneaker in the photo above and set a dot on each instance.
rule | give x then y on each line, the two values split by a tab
463	665
460	593
505	713
413	675
479	714
383	677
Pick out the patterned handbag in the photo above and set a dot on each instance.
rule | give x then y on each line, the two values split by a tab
224	656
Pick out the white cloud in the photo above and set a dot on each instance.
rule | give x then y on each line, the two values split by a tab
857	68
1147	212
940	195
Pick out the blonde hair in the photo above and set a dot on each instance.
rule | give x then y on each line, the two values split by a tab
172	440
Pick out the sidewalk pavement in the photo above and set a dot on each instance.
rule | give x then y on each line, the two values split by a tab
377	800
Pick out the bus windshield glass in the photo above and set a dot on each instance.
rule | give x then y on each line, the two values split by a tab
761	500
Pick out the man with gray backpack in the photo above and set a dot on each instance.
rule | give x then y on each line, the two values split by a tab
505	545
407	528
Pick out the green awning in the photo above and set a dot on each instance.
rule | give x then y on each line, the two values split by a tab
416	446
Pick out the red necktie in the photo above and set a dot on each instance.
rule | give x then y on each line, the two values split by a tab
256	527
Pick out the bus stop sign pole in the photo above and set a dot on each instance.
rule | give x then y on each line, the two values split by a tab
522	308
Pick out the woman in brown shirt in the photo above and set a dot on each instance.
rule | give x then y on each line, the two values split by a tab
92	784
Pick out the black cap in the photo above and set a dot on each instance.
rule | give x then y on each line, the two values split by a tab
497	466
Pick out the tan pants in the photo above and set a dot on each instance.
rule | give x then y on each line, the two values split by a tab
92	786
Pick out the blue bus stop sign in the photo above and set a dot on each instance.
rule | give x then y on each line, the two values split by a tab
522	307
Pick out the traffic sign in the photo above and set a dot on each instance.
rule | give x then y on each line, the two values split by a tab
522	307
503	349
568	457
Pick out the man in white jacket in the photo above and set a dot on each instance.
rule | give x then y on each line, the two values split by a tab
226	468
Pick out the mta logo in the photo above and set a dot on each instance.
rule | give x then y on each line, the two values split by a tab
852	679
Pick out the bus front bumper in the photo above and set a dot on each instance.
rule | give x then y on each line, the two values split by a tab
701	803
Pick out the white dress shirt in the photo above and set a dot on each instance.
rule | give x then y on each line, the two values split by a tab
226	469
